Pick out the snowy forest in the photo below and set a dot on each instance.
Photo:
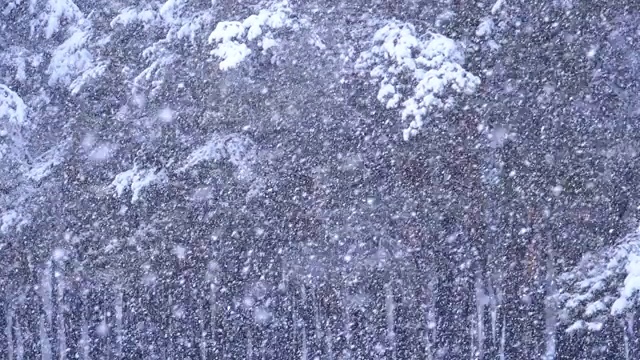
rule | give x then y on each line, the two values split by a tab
319	179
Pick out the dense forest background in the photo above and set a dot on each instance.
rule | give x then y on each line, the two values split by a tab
336	179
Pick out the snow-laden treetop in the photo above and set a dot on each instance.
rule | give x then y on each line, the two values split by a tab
419	73
230	36
416	72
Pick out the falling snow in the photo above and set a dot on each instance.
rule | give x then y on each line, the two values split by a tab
276	179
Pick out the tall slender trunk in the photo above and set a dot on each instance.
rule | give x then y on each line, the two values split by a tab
632	329
304	351
249	348
202	344
390	315
493	318
430	321
46	318
119	326
61	335
347	324
503	338
3	320
19	341
550	308
477	320
84	345
317	320
55	307
45	345
329	340
214	342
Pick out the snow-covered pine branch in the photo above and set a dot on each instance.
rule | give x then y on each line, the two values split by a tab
131	15
160	58
13	120
176	20
184	22
11	219
70	59
415	72
135	180
52	14
13	110
603	284
237	149
60	29
232	37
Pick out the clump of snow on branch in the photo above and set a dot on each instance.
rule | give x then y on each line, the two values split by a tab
230	37
13	119
631	289
70	60
71	64
178	21
16	57
234	41
53	14
13	110
11	219
131	15
183	21
485	28
602	284
44	164
160	61
136	179
415	73
90	73
237	149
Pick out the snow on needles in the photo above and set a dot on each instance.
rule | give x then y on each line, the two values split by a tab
603	283
56	12
631	288
180	21
70	59
45	163
432	63
136	180
9	219
229	35
239	150
130	15
71	62
12	109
